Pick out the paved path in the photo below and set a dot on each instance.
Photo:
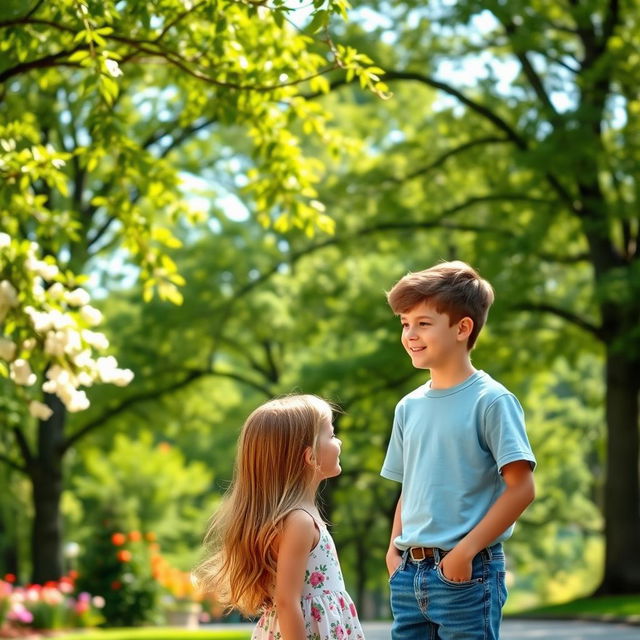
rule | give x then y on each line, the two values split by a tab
526	630
537	630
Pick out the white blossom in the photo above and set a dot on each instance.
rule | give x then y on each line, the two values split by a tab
85	379
77	402
37	289
42	268
91	315
56	291
95	339
122	377
44	321
113	68
40	410
109	372
78	297
5	240
8	298
83	359
20	372
7	349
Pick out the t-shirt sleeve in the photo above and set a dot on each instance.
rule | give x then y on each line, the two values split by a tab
393	466
505	432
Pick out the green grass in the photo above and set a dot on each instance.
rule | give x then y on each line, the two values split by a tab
605	606
155	633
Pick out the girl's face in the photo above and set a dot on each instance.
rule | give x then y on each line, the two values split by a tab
328	451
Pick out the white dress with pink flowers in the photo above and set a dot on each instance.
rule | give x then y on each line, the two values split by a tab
329	613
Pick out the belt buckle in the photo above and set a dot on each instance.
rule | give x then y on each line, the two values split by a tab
422	553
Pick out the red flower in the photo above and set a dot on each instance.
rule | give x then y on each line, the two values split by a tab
124	555
316	579
118	539
115	585
10	578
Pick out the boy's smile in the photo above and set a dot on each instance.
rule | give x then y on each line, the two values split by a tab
428	337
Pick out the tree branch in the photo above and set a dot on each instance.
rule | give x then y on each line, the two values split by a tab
531	74
23	446
448	154
539	307
13	464
611	21
52	60
484	111
193	374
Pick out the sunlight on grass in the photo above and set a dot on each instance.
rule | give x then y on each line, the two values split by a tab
614	606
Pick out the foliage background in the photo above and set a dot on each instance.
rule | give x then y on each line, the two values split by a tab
433	173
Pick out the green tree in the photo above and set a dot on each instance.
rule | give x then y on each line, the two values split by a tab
95	98
517	138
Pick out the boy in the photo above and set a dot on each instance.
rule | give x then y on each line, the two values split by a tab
460	450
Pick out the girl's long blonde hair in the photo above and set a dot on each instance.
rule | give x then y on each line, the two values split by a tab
271	478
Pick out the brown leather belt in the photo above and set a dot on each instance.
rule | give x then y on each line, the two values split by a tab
422	553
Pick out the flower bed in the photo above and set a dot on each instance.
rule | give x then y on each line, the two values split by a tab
48	607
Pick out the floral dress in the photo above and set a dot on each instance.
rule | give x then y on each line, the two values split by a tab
329	613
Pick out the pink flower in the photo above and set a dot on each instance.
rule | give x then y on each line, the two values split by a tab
315	613
342	603
81	607
19	613
316	579
340	632
352	608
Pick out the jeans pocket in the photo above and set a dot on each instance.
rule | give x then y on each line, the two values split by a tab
502	587
397	570
451	583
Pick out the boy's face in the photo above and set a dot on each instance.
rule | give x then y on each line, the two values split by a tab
429	340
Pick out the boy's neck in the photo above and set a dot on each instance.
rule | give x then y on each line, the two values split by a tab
452	374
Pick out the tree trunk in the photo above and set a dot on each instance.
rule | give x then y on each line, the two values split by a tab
622	485
10	556
46	480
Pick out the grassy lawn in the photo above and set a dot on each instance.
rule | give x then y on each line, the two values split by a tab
607	606
155	633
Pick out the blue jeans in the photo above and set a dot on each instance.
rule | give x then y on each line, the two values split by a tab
427	606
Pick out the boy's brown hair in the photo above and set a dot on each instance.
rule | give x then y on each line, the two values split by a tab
453	288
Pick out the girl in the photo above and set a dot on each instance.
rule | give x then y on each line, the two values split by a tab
269	549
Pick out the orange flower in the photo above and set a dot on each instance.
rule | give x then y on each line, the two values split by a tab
150	536
124	555
118	539
135	536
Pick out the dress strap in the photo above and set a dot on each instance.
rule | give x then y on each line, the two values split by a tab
316	524
319	524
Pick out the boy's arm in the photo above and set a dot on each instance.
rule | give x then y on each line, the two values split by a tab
296	540
394	556
519	493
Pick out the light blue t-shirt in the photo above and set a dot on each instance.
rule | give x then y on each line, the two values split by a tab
447	448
